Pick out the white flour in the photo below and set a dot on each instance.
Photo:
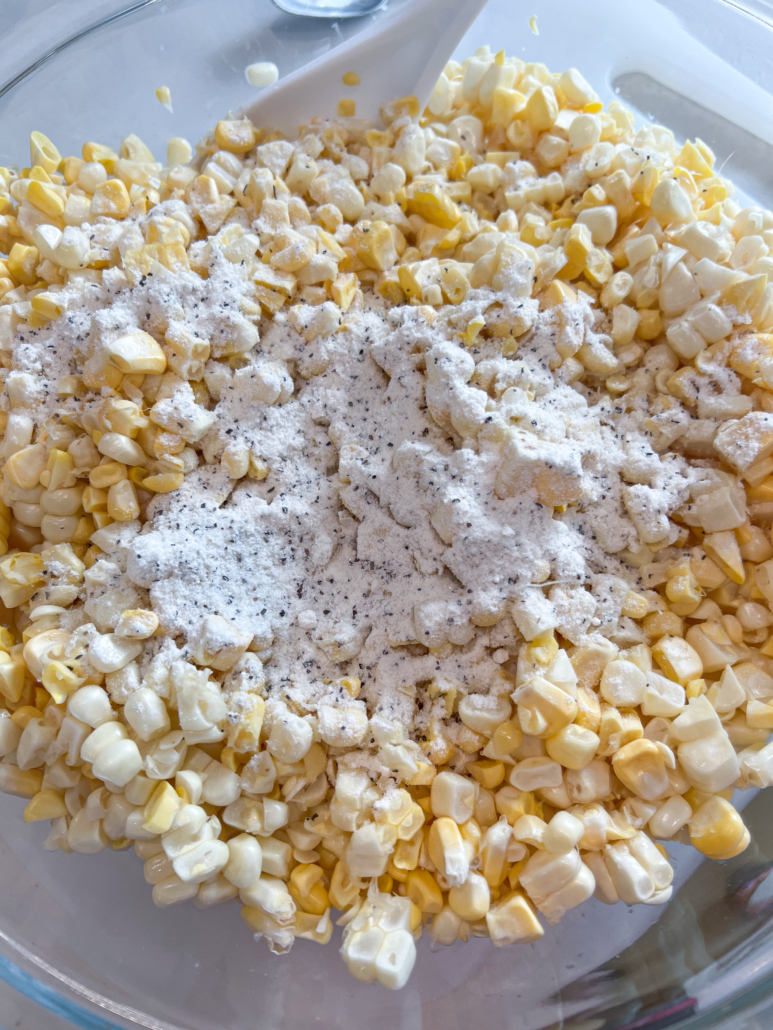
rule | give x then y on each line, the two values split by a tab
383	543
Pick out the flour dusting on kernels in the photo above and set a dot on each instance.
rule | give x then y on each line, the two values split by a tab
386	515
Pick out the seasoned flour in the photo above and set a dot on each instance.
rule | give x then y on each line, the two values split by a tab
383	544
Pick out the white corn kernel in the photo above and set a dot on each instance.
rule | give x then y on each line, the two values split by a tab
709	763
453	795
584	132
271	896
146	713
623	684
446	850
221	785
602	222
173	891
215	892
290	737
563	833
118	763
699	719
277	857
109	653
202	861
483	712
672	815
245	861
91	705
536	773
85	836
102	737
365	855
670	203
471	901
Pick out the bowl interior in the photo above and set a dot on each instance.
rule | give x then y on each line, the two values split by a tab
86	926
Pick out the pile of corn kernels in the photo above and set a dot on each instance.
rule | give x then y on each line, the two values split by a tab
604	752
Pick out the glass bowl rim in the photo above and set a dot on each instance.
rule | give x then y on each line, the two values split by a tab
46	995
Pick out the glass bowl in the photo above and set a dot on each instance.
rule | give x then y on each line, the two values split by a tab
80	934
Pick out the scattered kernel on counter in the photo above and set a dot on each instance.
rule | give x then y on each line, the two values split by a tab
385	533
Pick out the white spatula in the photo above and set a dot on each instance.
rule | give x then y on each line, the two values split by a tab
402	54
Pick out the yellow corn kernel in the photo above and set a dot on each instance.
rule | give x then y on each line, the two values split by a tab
316	902
423	778
433	204
678	659
23	716
137	353
717	830
573	746
12	675
723	549
404	106
20	576
46	306
577	246
374	246
20	783
404	858
104	476
635	606
60	681
513	920
48	804
759	715
309	926
71	167
106	156
557	293
122	503
656	624
304	876
696	160
22	263
43	152
160	811
544	709
650	325
343	289
421	888
506	104
514	873
342	891
617	727
641	767
164	482
746	294
695	688
488	772
385	883
244	735
46	199
236	136
111	200
350	79
513	803
542	109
